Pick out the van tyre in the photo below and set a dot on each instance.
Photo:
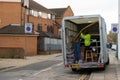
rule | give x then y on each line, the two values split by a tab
104	67
108	62
74	69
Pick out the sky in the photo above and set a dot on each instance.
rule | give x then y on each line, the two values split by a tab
108	9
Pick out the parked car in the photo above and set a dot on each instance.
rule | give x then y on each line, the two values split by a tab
114	47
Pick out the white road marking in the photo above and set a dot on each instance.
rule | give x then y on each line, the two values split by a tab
42	71
59	64
46	69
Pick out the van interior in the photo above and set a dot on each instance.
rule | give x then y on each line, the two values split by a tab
72	32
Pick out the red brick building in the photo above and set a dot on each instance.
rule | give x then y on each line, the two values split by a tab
45	22
61	13
14	13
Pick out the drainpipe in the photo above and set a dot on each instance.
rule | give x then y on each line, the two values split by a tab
22	3
28	11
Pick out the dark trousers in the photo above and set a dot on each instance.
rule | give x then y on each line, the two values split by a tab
76	51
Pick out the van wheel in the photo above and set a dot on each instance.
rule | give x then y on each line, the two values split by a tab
104	67
74	69
108	62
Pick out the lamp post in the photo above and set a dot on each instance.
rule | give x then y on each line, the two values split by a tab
118	29
27	26
24	6
22	2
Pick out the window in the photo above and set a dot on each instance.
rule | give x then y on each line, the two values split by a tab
39	27
50	29
39	14
35	13
44	15
31	12
49	16
53	17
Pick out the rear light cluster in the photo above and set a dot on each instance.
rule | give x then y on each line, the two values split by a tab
101	65
67	65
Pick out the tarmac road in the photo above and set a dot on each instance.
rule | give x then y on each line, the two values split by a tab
28	71
37	66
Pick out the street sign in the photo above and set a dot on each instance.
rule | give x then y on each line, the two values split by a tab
28	27
114	28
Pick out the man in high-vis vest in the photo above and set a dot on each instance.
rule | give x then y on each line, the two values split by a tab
87	41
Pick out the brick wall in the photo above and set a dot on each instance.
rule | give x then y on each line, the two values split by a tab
18	41
10	12
68	12
8	52
59	20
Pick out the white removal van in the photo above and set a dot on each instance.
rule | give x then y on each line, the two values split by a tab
98	56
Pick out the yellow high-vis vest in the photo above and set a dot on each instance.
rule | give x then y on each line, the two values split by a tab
86	38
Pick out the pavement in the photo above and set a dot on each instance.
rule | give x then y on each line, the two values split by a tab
7	64
112	71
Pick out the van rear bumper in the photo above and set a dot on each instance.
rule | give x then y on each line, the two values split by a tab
86	65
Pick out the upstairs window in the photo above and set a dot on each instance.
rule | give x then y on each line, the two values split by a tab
53	17
31	12
44	15
39	27
39	14
50	29
49	16
35	13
